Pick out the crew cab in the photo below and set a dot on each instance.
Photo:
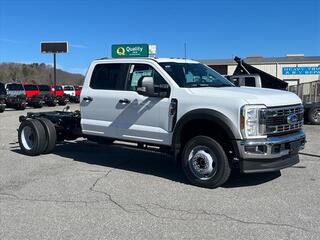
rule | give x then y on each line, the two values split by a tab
33	96
207	124
16	96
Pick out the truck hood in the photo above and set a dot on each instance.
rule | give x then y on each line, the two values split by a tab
251	95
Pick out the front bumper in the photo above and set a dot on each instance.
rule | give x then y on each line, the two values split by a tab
270	154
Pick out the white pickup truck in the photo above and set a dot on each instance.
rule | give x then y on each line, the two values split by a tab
182	107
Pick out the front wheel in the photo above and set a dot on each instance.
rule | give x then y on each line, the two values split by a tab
205	163
314	115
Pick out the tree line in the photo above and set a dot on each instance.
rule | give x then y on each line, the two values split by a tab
36	73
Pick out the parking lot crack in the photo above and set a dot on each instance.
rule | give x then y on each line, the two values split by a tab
109	196
222	216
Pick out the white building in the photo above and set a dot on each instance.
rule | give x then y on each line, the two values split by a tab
294	68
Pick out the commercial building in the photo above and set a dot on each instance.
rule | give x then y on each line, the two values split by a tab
293	68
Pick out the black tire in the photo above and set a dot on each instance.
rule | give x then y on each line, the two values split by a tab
38	105
51	135
20	107
37	137
2	109
314	115
210	149
62	102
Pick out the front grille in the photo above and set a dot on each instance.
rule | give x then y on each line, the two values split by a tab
277	119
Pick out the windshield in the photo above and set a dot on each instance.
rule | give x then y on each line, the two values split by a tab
58	88
30	87
194	75
44	88
68	88
15	87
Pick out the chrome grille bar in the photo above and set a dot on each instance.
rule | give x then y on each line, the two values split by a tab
277	119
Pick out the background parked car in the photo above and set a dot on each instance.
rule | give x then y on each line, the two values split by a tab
16	96
33	96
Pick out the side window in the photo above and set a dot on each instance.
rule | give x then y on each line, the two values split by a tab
250	82
138	71
109	76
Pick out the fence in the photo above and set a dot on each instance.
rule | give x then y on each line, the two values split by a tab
308	92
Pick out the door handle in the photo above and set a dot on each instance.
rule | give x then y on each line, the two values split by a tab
124	101
88	99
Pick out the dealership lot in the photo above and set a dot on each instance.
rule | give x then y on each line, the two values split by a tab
89	191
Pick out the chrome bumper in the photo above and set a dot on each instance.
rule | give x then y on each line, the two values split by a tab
271	147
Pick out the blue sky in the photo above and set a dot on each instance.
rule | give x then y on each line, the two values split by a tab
212	29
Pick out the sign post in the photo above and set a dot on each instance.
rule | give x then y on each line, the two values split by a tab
54	47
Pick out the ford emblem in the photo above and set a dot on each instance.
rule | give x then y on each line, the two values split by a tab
292	118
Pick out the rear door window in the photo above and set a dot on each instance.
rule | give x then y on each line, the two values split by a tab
109	76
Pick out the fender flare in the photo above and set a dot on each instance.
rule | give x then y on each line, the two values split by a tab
204	114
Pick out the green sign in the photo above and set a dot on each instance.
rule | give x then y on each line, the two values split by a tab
130	50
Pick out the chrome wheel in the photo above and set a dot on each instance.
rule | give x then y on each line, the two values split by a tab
202	162
27	137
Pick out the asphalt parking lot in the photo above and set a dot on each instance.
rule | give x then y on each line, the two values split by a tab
89	191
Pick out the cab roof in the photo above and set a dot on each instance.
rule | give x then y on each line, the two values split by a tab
159	60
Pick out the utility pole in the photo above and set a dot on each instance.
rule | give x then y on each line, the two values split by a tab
54	73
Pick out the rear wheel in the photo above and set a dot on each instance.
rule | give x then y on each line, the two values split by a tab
38	105
205	163
32	137
314	115
51	135
62	102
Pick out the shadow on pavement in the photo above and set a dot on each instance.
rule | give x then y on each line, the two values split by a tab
144	162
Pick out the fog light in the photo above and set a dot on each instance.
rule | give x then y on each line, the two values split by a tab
258	149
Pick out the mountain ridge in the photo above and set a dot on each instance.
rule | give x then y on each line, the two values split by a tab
36	73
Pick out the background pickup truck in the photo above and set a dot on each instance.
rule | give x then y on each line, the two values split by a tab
16	96
180	107
58	92
33	96
48	98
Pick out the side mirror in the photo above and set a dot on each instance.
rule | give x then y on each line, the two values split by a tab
146	87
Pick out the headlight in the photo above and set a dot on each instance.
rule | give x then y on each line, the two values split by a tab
252	121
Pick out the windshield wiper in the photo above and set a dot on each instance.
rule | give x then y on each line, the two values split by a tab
199	85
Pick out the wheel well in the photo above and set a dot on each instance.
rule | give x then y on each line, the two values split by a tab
207	128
